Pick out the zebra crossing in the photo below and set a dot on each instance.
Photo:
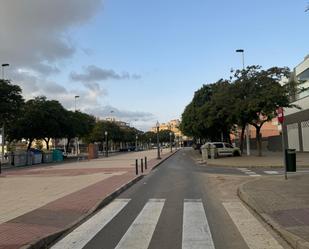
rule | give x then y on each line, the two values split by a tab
196	232
252	173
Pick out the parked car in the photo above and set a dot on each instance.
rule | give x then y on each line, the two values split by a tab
225	149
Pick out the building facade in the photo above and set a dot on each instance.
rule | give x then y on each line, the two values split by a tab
296	124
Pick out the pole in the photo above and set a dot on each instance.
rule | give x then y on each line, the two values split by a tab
248	127
2	143
145	162
142	165
171	143
136	166
283	151
158	143
106	145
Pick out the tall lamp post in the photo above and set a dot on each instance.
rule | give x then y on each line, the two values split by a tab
2	128
242	51
76	138
106	143
171	142
158	142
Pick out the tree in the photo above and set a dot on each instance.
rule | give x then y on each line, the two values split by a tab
191	122
40	119
164	136
259	94
77	124
11	103
209	116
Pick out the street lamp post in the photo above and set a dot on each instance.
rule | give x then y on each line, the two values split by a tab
106	143
2	128
76	138
242	51
158	142
171	142
136	138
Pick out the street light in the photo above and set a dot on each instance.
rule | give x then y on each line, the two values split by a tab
136	137
106	143
242	51
75	98
2	128
171	141
158	142
3	66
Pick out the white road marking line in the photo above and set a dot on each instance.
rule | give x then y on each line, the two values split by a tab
196	231
255	175
255	235
140	232
79	237
243	169
271	172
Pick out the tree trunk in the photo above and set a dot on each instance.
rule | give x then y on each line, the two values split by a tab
30	143
242	138
68	144
47	142
258	140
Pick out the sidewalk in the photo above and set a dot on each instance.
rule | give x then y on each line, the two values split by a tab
269	159
43	202
284	204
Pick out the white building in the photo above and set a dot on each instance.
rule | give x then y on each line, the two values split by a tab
296	126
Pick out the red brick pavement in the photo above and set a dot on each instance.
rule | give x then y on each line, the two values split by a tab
63	212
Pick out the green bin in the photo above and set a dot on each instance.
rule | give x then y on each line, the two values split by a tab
290	160
57	156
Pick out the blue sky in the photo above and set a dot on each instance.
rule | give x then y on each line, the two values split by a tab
176	46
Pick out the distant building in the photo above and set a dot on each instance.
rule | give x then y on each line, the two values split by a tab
173	126
296	125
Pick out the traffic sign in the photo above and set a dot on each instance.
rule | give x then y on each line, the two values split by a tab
280	115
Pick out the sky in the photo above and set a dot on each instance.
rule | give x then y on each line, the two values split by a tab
141	61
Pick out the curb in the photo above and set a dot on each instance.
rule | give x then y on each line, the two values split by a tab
48	240
293	240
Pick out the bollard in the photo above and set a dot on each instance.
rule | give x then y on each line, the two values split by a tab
142	166
145	162
136	166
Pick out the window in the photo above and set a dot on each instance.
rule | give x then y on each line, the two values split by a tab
219	145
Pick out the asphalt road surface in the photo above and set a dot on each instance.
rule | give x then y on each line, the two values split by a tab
179	205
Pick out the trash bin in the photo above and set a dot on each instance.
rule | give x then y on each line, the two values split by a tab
20	159
57	156
290	160
36	156
47	157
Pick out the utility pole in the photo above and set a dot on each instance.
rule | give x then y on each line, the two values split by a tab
242	51
2	128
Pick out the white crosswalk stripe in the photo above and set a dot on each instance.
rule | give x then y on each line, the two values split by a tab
248	172
254	234
271	172
85	232
139	234
196	231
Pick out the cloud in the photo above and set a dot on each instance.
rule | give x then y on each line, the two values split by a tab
128	116
93	73
34	33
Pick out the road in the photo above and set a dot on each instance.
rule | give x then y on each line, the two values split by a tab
179	205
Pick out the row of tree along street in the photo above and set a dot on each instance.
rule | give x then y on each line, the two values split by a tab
43	119
250	96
